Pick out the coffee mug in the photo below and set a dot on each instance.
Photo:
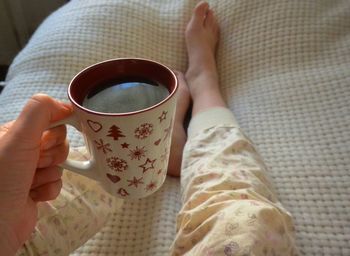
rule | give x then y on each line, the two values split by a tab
129	151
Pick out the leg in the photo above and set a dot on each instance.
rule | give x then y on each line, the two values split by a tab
229	207
201	39
202	35
179	136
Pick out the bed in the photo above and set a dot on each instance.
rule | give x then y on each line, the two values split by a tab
284	71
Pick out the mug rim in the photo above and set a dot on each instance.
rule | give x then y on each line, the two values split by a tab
75	103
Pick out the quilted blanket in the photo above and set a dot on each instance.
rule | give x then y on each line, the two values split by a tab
284	71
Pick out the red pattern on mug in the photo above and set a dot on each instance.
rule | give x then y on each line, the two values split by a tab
164	156
123	192
149	164
167	131
162	116
137	153
125	145
105	147
115	132
116	137
143	131
135	181
151	186
113	178
117	164
95	126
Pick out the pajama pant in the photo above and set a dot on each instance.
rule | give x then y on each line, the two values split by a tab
229	206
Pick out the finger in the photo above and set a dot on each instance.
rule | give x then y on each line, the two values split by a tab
46	192
35	118
46	175
53	137
54	156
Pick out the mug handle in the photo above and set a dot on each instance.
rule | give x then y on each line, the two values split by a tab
85	168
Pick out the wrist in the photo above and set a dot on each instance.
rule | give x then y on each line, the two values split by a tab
8	243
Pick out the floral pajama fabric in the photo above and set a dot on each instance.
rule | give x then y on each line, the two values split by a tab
229	206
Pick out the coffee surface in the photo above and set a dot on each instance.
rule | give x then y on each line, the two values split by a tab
125	95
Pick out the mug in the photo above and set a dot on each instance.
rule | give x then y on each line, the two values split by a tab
128	152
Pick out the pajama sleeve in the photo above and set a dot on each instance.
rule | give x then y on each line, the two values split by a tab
229	206
78	213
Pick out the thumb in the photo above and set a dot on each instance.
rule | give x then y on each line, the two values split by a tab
36	117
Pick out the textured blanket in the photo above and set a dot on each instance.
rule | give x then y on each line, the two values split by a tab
284	69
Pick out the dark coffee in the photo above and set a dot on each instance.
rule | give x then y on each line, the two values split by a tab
125	95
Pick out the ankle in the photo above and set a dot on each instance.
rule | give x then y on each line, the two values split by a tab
200	80
195	73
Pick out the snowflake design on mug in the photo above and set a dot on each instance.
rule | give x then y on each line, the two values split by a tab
117	164
101	145
137	153
151	186
143	131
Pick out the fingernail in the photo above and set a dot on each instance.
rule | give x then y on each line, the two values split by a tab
66	107
45	161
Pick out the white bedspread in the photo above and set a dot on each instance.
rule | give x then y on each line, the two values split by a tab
285	72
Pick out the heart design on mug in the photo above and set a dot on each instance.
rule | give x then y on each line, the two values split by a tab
157	142
95	126
113	178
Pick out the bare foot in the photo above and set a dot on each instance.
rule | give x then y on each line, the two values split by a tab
179	135
202	35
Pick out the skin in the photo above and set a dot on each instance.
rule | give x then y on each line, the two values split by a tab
201	81
29	156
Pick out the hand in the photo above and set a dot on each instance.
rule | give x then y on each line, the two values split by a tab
29	154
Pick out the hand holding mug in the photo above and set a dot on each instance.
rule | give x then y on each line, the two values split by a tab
29	155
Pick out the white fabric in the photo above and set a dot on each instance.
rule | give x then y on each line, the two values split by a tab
284	69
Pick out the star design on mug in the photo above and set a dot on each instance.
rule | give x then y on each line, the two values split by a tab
135	182
162	116
149	164
125	145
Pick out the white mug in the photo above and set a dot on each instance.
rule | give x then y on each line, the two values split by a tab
129	152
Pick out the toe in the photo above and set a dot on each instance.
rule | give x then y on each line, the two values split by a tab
210	20
201	9
199	13
212	26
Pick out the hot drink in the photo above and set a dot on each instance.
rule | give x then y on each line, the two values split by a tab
125	95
